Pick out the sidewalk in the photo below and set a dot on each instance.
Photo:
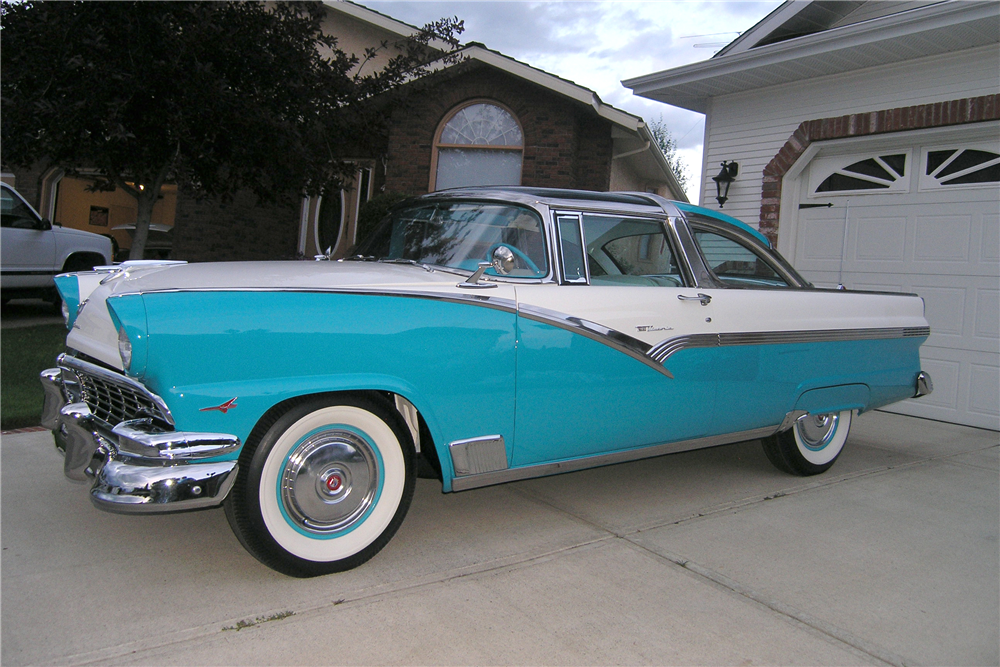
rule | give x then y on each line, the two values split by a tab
707	557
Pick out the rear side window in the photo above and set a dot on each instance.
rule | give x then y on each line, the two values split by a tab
736	264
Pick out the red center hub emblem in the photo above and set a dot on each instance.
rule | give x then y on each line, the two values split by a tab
334	482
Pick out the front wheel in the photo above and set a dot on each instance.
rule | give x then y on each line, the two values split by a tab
325	487
811	446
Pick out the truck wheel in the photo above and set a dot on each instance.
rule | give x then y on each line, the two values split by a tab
811	446
325	488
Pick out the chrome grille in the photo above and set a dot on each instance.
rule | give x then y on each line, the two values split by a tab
114	403
112	397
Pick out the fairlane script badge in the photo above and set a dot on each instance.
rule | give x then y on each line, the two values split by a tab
224	408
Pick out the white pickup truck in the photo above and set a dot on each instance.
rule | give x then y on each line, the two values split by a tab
34	250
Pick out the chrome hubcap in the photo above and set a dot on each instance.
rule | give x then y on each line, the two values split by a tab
816	431
330	481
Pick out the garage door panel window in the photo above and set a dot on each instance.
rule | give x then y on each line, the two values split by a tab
846	175
955	167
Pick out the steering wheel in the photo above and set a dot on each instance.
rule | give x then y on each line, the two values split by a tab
517	253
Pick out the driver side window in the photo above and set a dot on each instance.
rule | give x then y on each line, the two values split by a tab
15	213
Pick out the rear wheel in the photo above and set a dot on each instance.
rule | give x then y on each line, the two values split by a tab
325	488
811	446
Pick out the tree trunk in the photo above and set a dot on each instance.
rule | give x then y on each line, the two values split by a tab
146	200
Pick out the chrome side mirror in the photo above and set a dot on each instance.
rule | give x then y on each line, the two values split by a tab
503	260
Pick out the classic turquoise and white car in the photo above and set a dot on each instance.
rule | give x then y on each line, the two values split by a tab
499	334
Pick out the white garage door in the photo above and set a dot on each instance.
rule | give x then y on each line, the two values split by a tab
922	215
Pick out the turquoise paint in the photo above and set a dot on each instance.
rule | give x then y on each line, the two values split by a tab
378	490
68	287
454	362
719	215
129	311
577	397
759	384
834	399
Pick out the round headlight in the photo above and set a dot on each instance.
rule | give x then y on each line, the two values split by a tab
124	348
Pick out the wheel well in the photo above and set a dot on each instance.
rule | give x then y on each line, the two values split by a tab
83	261
386	397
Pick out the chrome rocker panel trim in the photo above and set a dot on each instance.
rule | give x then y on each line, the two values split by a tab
137	470
544	469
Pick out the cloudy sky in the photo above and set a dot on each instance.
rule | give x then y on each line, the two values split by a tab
597	44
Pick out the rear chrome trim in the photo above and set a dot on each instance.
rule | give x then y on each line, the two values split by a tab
663	350
528	472
924	384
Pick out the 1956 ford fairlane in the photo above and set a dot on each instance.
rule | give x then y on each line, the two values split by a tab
499	334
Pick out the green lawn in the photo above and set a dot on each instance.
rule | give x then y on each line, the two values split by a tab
24	353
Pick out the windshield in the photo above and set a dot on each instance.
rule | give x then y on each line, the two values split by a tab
460	235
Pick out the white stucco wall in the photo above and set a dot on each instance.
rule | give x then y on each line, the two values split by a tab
750	127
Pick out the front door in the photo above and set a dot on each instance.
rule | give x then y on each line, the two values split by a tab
588	381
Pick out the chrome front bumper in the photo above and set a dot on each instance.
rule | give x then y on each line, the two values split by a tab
135	467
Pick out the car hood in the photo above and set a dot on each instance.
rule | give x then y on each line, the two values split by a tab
94	334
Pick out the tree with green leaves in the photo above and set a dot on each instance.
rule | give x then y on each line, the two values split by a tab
668	145
214	96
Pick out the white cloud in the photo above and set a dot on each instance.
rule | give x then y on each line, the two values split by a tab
597	44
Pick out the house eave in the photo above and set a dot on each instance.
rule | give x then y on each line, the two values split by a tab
926	31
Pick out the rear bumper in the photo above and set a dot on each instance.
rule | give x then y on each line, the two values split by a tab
135	467
924	384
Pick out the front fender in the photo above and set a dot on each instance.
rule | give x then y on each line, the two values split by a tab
453	361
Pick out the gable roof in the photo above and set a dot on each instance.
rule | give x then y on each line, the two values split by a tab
804	40
645	155
630	131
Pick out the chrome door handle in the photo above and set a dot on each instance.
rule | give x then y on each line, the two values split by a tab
703	298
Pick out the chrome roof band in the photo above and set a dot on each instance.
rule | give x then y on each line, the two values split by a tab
663	350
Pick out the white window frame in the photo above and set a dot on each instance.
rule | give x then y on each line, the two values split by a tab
929	183
822	168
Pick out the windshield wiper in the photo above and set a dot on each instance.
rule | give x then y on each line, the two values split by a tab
360	258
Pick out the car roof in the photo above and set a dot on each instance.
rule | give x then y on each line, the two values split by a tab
647	202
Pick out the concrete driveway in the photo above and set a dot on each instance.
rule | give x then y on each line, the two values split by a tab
710	557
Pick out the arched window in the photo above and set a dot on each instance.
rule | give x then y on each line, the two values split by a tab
480	144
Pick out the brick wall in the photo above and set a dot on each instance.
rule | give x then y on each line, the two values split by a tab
566	145
214	230
919	117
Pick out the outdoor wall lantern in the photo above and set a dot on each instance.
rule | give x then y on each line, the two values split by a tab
724	179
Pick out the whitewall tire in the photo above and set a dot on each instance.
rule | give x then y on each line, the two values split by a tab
325	487
812	445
